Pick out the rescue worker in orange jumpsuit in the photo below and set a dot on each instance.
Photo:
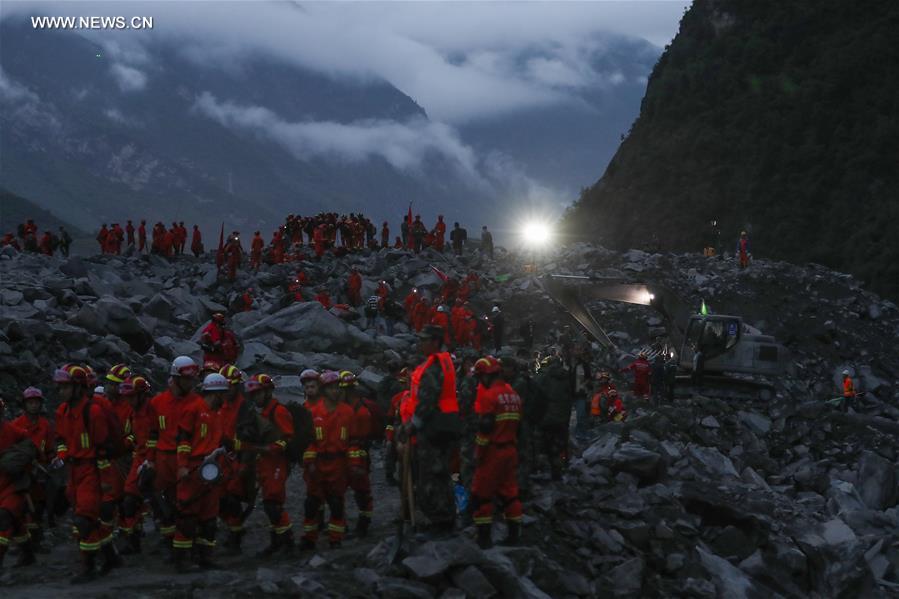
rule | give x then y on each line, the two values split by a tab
33	422
143	427
112	475
409	304
436	426
439	233
272	465
79	440
256	247
309	378
182	237
46	244
319	239
13	528
102	236
142	236
441	319
199	443
421	314
354	288
129	233
615	411
498	408
115	239
196	242
325	463
168	406
247	299
600	398
849	393
240	471
642	370
385	235
359	474
324	299
233	255
744	250
219	343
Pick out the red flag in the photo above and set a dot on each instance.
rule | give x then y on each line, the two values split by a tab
220	256
443	276
409	243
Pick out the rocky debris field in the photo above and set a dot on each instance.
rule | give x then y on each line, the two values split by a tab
704	497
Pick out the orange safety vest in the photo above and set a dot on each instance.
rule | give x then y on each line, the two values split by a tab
848	387
448	403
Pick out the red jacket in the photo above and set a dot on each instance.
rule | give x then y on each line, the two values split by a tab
501	402
199	431
41	434
280	416
143	432
73	438
229	413
168	410
10	435
332	431
360	433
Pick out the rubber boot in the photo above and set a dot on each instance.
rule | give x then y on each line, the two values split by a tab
204	558
287	544
181	557
306	545
26	557
111	559
514	536
132	544
273	545
485	536
87	572
362	526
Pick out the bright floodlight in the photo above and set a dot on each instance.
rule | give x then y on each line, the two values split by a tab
536	233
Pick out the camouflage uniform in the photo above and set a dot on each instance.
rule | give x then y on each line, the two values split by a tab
554	387
433	487
387	388
468	389
524	386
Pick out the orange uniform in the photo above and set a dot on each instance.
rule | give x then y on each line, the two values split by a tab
325	468
168	408
273	468
41	434
143	432
11	500
236	471
359	461
496	453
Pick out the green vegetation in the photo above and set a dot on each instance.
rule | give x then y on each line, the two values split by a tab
782	117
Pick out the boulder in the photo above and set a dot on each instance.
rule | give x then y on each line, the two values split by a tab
876	481
474	583
635	459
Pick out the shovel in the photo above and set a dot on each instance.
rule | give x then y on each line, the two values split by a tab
400	544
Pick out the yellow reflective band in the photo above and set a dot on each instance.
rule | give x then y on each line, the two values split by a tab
483	520
309	455
203	430
280	530
184	449
61	448
508	416
126	530
310	527
128	426
103	464
166	530
236	444
319	433
282	443
131	438
161	423
514	518
343	433
205	542
336	528
4	541
85	546
182	544
389	427
238	528
85	441
151	444
43	445
481	440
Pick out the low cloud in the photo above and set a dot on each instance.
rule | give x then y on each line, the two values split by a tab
14	92
404	145
128	78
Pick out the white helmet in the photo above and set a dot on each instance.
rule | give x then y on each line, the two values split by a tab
845	373
215	382
100	390
495	309
184	366
308	375
441	308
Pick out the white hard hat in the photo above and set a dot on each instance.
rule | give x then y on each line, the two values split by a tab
845	373
184	366
495	309
308	375
441	308
215	382
100	390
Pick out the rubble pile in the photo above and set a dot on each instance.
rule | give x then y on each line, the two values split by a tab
704	497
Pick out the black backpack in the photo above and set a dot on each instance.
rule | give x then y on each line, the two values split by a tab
302	431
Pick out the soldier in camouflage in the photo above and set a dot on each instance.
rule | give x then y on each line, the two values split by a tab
553	384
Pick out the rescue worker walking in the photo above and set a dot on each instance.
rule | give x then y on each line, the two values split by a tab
849	393
359	461
436	426
642	376
744	250
199	444
325	463
38	428
80	432
12	500
143	427
238	427
553	385
272	465
498	408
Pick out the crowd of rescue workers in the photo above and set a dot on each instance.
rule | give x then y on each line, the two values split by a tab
462	429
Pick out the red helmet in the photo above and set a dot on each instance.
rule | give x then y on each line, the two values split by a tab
258	382
232	373
487	365
134	385
329	377
118	373
71	373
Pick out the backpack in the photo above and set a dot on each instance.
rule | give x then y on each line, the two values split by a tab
302	431
378	419
115	441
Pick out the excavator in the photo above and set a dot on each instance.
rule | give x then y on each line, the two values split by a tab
712	347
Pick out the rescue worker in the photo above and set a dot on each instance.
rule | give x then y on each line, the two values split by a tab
615	411
441	319
486	242
458	236
409	304
143	425
233	254
385	235
849	393
354	287
35	424
238	427
13	527
199	443
642	375
46	244
600	397
436	426
196	242
499	326
112	475
498	408
182	237
102	237
142	237
65	241
359	461
256	247
272	465
323	298
168	406
79	440
129	233
418	232
325	463
439	233
392	422
311	387
554	391
219	343
744	250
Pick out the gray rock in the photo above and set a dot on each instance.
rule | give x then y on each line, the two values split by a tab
832	533
627	578
637	460
710	422
402	588
758	424
425	566
876	481
712	461
601	449
752	477
473	582
307	585
11	297
704	589
730	581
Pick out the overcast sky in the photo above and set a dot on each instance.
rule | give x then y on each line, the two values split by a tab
453	58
